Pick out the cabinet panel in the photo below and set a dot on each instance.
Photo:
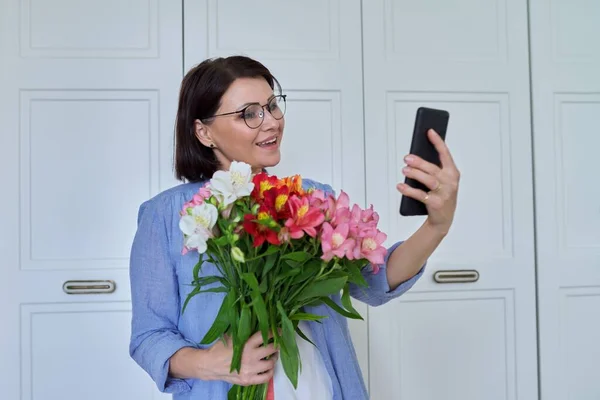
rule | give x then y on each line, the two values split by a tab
565	60
471	59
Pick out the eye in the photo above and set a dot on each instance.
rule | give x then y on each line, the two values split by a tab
253	112
250	115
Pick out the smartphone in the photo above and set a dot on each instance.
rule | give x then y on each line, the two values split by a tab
426	118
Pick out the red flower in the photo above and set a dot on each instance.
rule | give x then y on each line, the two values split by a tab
253	224
262	183
304	218
276	199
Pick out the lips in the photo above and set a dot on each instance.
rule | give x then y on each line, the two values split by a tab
268	142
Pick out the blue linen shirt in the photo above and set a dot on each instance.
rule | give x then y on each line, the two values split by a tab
160	278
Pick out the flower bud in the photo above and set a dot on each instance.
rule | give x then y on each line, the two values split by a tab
237	254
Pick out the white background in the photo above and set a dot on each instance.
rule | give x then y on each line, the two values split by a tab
88	95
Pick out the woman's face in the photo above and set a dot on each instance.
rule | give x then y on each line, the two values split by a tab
231	135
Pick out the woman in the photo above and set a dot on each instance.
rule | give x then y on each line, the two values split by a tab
231	109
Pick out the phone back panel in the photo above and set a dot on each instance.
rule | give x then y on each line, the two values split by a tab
426	118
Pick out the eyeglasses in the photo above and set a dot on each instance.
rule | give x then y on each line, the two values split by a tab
254	114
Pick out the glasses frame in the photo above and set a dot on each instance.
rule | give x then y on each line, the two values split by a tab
243	111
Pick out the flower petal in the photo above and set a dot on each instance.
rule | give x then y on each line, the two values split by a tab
187	224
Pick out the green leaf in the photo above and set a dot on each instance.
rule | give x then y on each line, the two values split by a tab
207	280
221	322
287	274
244	329
238	347
299	256
306	317
325	287
197	268
233	392
303	336
347	301
339	309
307	272
189	297
258	303
269	263
354	274
290	355
220	289
293	264
220	241
271	250
263	286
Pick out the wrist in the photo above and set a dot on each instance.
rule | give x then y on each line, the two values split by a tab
438	231
203	365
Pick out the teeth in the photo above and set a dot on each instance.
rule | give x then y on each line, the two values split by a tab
269	142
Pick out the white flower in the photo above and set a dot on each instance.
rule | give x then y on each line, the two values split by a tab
228	186
197	227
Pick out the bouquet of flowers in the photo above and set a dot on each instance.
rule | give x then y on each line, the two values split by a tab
278	249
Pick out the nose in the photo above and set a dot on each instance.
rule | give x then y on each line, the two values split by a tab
269	122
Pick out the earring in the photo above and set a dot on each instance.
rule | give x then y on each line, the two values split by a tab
212	145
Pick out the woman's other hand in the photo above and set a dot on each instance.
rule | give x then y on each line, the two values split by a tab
255	368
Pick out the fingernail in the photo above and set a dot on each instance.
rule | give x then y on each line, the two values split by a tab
408	158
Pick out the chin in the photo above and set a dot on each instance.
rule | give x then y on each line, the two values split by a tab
270	161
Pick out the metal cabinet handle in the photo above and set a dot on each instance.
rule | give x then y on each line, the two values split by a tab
89	287
456	276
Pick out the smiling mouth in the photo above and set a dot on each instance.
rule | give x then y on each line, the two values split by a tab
268	142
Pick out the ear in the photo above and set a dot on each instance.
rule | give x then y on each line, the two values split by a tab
203	134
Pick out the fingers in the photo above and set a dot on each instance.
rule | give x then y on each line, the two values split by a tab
264	366
447	162
266	351
442	149
254	379
428	180
261	378
258	372
256	340
417	162
428	198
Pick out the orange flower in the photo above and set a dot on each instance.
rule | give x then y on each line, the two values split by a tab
294	183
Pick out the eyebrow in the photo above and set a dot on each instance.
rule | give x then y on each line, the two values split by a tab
254	102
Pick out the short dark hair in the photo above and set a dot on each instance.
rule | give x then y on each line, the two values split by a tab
199	98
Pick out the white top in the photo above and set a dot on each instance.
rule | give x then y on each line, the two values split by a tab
314	382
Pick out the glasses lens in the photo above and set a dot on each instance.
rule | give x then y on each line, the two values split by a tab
254	116
277	107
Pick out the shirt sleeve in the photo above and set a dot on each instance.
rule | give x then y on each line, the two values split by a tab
378	290
155	301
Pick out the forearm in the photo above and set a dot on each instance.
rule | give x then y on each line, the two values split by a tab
189	363
408	258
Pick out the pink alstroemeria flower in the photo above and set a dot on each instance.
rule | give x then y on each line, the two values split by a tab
371	248
363	223
305	219
335	242
198	198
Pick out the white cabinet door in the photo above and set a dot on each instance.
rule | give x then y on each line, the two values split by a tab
456	341
87	103
313	48
565	57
